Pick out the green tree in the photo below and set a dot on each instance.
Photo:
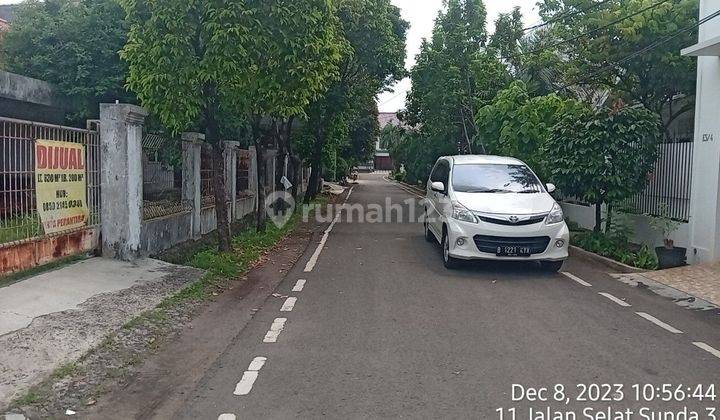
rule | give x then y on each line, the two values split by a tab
508	32
214	64
605	156
376	34
614	31
454	76
516	124
297	51
74	45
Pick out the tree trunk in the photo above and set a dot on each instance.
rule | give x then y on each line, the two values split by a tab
316	168
212	136
608	219
598	217
260	216
313	190
294	171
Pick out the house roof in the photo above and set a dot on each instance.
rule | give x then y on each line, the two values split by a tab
385	118
7	12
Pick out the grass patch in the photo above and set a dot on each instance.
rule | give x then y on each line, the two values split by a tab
30	398
68	369
19	228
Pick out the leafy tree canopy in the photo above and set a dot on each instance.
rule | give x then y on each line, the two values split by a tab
618	29
517	124
74	45
603	156
454	76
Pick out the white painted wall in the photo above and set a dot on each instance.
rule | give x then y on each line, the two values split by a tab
705	212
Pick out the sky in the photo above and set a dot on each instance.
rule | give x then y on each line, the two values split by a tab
421	14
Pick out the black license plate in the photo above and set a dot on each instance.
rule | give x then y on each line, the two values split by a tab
513	251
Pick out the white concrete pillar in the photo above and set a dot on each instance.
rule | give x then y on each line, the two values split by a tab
705	199
191	194
231	159
121	127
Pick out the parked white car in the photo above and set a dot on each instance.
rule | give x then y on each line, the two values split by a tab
494	208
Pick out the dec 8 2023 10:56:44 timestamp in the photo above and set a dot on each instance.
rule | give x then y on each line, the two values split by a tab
654	402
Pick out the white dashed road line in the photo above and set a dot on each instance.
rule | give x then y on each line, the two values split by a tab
576	279
299	285
614	299
313	259
277	326
248	379
659	323
289	304
227	417
712	350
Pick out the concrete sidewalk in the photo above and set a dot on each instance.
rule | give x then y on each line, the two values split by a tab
55	317
696	286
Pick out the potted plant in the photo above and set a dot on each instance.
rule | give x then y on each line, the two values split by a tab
669	256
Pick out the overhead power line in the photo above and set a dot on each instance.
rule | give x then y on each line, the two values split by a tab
564	16
643	50
587	33
391	98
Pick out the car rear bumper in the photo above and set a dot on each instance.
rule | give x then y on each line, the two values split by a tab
490	233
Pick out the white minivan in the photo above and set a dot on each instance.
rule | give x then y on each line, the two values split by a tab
494	208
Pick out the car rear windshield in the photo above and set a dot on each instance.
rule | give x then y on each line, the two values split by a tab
495	178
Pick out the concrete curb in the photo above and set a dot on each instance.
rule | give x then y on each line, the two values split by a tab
615	265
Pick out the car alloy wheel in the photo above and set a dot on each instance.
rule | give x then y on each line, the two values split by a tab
429	236
450	262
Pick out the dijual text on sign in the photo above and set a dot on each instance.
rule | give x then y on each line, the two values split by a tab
61	185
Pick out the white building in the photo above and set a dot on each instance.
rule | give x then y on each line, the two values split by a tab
705	200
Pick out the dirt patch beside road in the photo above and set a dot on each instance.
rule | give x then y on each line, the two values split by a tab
32	353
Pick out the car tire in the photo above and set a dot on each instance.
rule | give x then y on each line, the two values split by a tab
449	262
429	236
551	266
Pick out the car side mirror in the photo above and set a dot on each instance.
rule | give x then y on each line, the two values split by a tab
551	188
438	187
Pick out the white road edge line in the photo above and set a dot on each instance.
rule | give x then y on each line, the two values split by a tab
614	299
576	279
299	286
402	187
275	329
712	350
313	259
659	323
227	416
248	379
289	304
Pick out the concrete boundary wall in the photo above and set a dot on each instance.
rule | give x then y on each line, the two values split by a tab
125	235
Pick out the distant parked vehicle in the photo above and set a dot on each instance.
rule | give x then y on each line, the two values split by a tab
494	208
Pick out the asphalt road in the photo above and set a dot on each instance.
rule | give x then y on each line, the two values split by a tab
381	330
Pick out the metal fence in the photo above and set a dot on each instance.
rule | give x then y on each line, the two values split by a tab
19	220
207	187
243	173
162	184
669	186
